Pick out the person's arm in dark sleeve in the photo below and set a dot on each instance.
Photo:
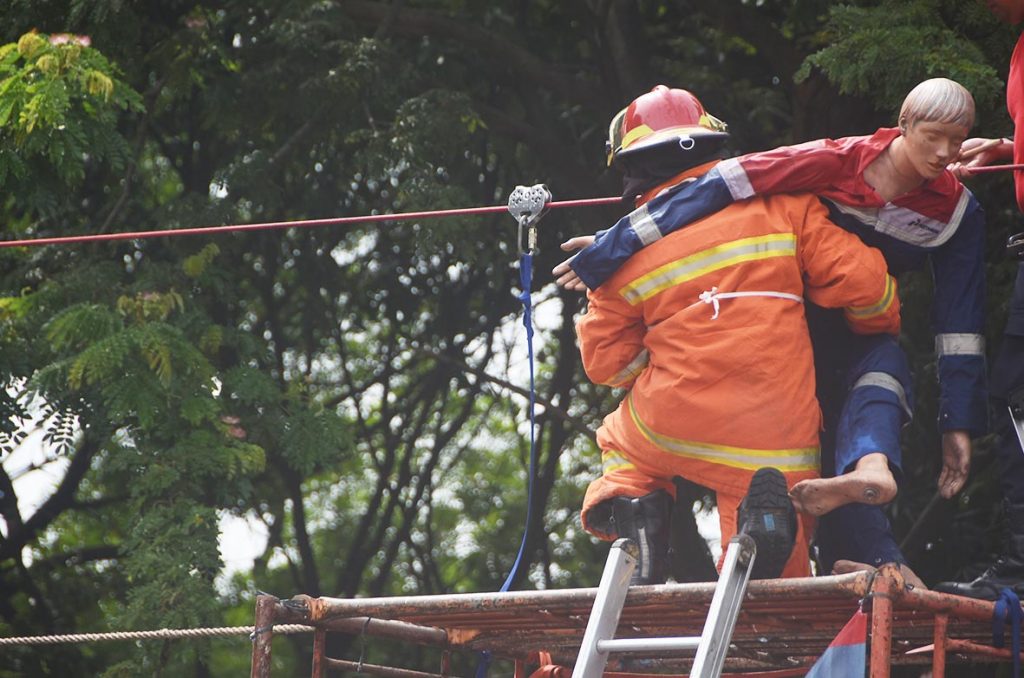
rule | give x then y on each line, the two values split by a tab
958	316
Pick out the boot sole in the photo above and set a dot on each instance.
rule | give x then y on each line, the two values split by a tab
768	516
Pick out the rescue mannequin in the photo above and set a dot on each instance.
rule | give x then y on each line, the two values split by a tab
706	329
892	190
1008	367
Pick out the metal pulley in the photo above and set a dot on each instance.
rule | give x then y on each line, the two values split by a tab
527	205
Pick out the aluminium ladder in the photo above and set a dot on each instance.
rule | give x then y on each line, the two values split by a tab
712	645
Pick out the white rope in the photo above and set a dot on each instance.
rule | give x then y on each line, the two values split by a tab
713	295
222	631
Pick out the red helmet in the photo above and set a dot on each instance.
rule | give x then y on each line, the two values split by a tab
662	116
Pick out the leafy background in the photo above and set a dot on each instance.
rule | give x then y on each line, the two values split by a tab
354	389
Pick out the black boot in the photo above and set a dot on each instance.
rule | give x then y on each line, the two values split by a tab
768	516
645	521
1006	572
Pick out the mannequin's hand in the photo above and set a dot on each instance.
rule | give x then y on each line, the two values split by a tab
564	275
956	462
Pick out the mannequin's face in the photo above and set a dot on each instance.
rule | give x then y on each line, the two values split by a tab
930	146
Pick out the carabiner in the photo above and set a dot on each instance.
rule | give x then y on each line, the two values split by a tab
1015	246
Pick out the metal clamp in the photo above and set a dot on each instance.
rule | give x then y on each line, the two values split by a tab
527	205
1015	246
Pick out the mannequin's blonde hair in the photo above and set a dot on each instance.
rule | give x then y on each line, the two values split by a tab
938	100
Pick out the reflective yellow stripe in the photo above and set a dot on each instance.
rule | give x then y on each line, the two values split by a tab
612	460
883	305
629	372
786	460
634	134
706	261
712	123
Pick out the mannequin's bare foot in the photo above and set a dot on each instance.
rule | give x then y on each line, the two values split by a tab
847	566
871	482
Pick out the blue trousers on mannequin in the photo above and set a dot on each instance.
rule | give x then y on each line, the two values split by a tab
866	397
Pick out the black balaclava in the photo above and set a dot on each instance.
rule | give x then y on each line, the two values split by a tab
651	166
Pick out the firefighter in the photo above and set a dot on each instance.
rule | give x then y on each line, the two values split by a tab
706	329
892	190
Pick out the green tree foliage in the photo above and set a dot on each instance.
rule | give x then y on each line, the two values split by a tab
358	390
61	100
904	43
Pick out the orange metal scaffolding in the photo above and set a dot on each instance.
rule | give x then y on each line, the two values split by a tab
783	627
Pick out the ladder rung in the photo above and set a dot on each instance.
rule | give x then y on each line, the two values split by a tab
647	644
711	646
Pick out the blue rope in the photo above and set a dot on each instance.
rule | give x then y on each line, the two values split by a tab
525	279
1008	608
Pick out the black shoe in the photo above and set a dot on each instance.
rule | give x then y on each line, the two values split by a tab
1006	572
645	520
768	516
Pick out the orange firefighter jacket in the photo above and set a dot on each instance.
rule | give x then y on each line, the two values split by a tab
706	329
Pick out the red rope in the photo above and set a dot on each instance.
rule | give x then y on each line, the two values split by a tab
372	218
993	168
303	223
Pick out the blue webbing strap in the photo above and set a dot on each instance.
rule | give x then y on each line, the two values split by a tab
1008	608
525	278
